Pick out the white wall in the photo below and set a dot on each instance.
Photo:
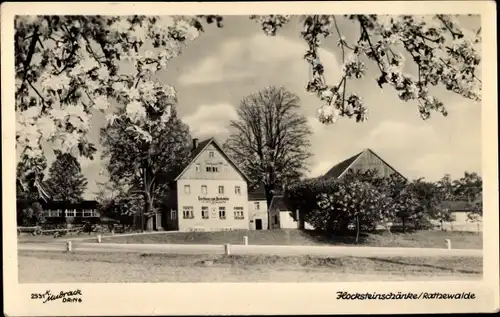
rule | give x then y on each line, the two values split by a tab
287	221
197	176
259	212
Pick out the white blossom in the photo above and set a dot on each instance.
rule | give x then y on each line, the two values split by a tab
101	103
328	114
56	82
121	25
136	111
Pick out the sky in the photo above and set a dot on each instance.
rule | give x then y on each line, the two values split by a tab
224	65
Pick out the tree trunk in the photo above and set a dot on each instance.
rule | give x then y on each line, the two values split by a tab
358	229
269	198
148	216
403	220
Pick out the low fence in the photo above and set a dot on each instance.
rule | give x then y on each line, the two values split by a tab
269	250
37	230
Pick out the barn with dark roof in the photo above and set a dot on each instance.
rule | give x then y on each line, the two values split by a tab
362	161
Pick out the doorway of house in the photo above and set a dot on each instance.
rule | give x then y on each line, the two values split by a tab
258	224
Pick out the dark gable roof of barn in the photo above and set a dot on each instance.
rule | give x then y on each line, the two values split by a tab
339	169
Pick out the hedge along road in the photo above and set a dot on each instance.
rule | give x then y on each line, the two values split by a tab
279	250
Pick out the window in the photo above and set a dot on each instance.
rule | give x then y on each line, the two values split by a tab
238	213
212	168
187	212
222	213
221	190
204	189
237	190
53	213
256	205
70	212
79	213
187	189
210	154
204	212
89	213
198	168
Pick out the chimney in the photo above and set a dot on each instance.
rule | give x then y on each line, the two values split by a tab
195	143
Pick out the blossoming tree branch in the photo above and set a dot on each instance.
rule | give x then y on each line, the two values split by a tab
69	67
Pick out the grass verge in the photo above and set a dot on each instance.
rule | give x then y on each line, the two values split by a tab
419	239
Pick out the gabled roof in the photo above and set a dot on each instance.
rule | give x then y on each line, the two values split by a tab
278	203
200	148
341	168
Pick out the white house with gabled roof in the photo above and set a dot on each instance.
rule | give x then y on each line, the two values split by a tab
211	192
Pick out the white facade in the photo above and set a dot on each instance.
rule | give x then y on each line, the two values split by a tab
258	214
212	194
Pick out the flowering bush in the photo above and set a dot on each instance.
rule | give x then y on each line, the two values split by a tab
332	204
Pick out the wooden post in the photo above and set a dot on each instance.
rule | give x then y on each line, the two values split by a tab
245	240
68	246
99	238
227	249
448	243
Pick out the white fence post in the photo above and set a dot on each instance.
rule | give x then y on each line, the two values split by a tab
99	238
448	244
245	240
227	249
68	246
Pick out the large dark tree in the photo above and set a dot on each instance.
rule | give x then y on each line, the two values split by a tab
66	181
146	167
270	140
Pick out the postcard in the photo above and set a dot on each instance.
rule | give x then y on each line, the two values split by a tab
249	158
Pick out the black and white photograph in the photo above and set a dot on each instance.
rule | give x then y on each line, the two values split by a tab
248	148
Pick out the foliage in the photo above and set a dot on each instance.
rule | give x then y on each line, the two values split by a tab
430	196
68	67
443	53
145	166
30	214
469	188
116	203
66	181
30	174
270	141
331	204
398	202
